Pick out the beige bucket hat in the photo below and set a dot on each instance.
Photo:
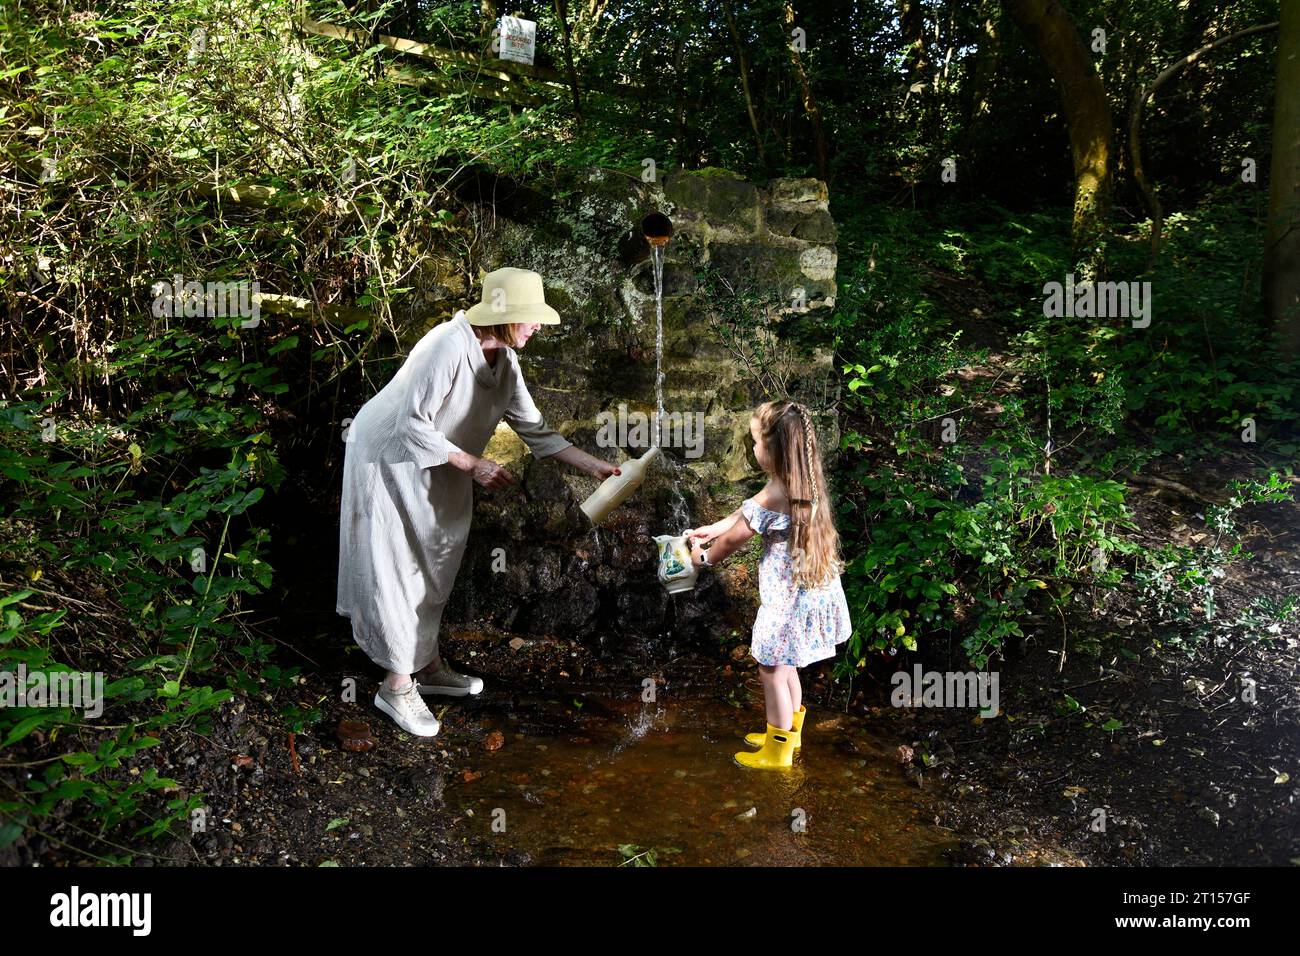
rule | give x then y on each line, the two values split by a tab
512	295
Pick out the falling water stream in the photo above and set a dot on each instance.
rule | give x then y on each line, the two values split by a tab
680	516
657	258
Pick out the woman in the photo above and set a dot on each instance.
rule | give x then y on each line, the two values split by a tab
412	456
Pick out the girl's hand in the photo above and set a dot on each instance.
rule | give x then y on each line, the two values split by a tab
707	533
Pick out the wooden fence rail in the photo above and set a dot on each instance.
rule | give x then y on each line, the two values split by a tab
501	80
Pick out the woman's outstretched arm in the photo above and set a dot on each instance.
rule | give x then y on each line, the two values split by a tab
575	456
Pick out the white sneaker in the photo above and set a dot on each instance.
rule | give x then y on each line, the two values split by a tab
408	710
452	684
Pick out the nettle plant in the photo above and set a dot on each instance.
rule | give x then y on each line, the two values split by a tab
1178	584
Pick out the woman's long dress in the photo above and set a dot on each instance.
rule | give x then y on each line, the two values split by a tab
405	511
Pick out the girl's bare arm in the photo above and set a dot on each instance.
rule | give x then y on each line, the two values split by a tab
727	542
710	531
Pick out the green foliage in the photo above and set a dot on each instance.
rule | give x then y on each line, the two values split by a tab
1177	583
635	856
969	537
929	550
932	561
155	510
1208	362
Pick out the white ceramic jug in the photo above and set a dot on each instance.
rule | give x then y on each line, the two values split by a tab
676	570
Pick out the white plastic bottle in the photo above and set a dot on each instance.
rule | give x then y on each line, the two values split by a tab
616	489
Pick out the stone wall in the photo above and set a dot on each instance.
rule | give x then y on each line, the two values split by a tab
774	246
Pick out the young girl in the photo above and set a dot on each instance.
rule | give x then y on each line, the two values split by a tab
804	615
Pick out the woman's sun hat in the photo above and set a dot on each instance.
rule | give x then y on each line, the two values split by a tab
512	295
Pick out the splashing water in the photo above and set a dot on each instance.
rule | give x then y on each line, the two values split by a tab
680	516
650	716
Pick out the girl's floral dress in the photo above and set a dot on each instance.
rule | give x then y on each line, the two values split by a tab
795	625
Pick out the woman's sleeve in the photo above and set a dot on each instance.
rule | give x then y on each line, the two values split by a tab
427	445
523	416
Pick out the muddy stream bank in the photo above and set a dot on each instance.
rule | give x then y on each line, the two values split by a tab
563	761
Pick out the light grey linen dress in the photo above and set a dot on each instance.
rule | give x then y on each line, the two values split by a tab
405	512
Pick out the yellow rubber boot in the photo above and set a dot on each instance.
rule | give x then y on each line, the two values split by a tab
777	752
757	738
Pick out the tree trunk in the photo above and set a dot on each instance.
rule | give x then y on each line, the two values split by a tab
809	102
978	92
743	65
568	57
1087	114
585	27
1282	245
487	13
911	24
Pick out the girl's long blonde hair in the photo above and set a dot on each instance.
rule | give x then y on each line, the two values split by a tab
787	431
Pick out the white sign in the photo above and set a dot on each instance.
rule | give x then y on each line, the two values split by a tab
518	39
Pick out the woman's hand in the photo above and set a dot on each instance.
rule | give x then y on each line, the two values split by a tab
491	475
483	470
600	470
